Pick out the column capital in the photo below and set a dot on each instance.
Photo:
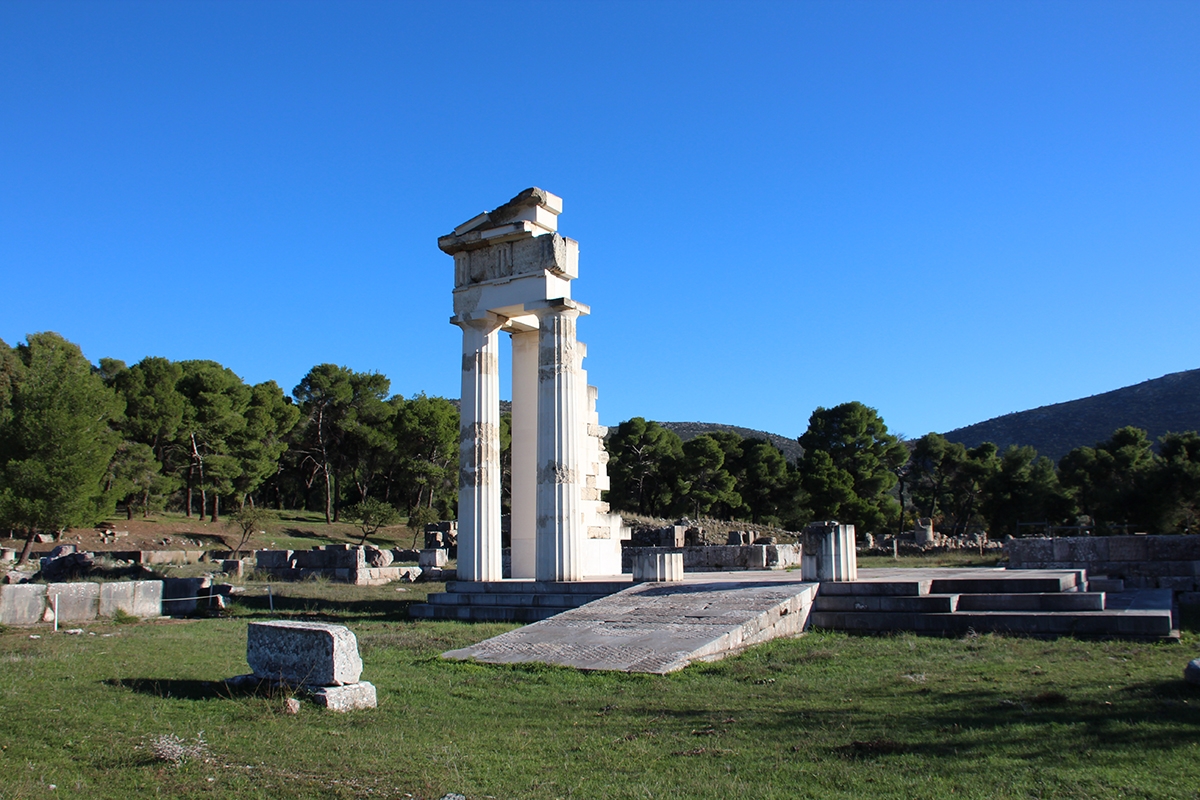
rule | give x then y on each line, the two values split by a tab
484	321
557	305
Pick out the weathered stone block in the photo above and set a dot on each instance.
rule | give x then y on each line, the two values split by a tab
139	598
1177	583
22	604
1128	548
77	602
828	552
1173	548
272	559
433	557
352	697
376	558
1191	673
312	653
182	596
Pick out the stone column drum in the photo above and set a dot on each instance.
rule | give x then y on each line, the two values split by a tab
827	552
560	532
479	450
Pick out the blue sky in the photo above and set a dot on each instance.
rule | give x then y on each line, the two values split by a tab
948	211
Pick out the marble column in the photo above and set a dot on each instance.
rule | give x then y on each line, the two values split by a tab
479	450
560	533
524	452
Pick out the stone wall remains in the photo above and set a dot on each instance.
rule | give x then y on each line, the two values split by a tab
1142	562
724	557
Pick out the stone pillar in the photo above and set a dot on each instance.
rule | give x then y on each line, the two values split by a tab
479	450
524	452
560	534
827	553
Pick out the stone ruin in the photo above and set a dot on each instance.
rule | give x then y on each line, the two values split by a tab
361	565
316	658
512	274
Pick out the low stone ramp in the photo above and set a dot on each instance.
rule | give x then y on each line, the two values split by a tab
659	627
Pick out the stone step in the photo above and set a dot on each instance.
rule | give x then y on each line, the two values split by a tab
596	587
545	600
928	604
876	588
1004	585
477	613
1103	583
1032	601
1134	623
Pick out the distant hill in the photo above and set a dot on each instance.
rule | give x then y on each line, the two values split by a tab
690	430
1169	403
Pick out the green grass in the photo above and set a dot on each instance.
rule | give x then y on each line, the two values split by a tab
825	715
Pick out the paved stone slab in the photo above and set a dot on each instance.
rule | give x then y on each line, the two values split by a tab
659	628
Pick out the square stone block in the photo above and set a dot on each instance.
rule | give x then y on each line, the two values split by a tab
77	602
139	598
1128	548
311	653
22	604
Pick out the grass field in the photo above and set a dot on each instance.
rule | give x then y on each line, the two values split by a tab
824	715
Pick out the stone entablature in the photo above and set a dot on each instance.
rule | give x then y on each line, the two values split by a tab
512	274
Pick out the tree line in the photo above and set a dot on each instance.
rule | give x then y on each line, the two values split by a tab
853	470
78	441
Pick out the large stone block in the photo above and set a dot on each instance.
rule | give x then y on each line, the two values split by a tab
272	559
312	653
182	596
1173	548
139	598
22	604
1128	548
433	557
828	552
77	602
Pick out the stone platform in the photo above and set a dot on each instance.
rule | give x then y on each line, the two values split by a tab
660	627
952	602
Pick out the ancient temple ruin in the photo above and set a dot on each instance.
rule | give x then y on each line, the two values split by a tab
512	274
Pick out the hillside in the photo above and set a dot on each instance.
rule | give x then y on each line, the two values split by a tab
690	430
1169	403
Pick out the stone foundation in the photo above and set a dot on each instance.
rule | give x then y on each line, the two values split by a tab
724	557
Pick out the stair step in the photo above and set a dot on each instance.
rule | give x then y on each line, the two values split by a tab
483	613
559	601
884	588
1150	623
1103	583
1034	601
929	604
1005	585
603	588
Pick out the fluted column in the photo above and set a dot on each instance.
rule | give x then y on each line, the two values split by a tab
524	453
479	450
560	534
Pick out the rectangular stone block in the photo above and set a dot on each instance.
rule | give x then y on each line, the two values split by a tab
77	602
272	559
1177	583
233	566
1173	548
1128	548
139	598
22	604
182	596
309	653
352	697
433	557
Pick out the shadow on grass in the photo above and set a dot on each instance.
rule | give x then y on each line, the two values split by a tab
173	688
325	610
